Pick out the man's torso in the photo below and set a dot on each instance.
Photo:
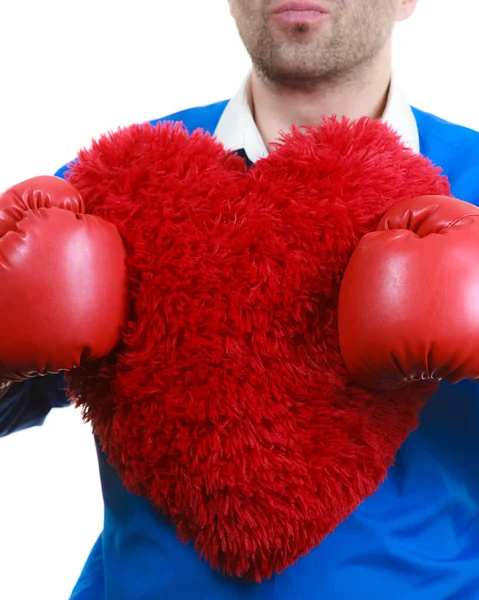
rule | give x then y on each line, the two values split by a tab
416	538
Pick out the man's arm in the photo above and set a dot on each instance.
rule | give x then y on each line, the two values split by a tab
26	403
68	270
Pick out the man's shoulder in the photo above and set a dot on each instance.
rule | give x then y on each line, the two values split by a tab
445	132
454	148
198	117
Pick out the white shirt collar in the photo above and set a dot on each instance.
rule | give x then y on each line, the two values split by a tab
236	128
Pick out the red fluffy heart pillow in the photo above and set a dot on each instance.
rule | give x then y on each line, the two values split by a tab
227	403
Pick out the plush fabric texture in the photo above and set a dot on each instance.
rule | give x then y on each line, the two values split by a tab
227	403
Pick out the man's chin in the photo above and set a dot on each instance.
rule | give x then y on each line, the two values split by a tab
292	73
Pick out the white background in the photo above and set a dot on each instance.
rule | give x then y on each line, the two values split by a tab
70	71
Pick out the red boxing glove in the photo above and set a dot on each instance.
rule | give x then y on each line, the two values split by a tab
409	299
62	280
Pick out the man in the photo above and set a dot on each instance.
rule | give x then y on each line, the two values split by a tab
417	537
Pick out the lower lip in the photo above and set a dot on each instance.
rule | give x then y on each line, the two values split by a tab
300	16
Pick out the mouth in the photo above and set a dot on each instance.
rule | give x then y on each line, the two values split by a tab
300	12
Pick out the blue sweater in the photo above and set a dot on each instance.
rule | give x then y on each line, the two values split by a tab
417	538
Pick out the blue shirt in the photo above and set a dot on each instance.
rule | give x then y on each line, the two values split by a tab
417	538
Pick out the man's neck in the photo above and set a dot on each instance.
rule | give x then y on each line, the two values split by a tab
277	107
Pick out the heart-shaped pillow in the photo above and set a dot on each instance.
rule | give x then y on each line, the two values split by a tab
227	403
